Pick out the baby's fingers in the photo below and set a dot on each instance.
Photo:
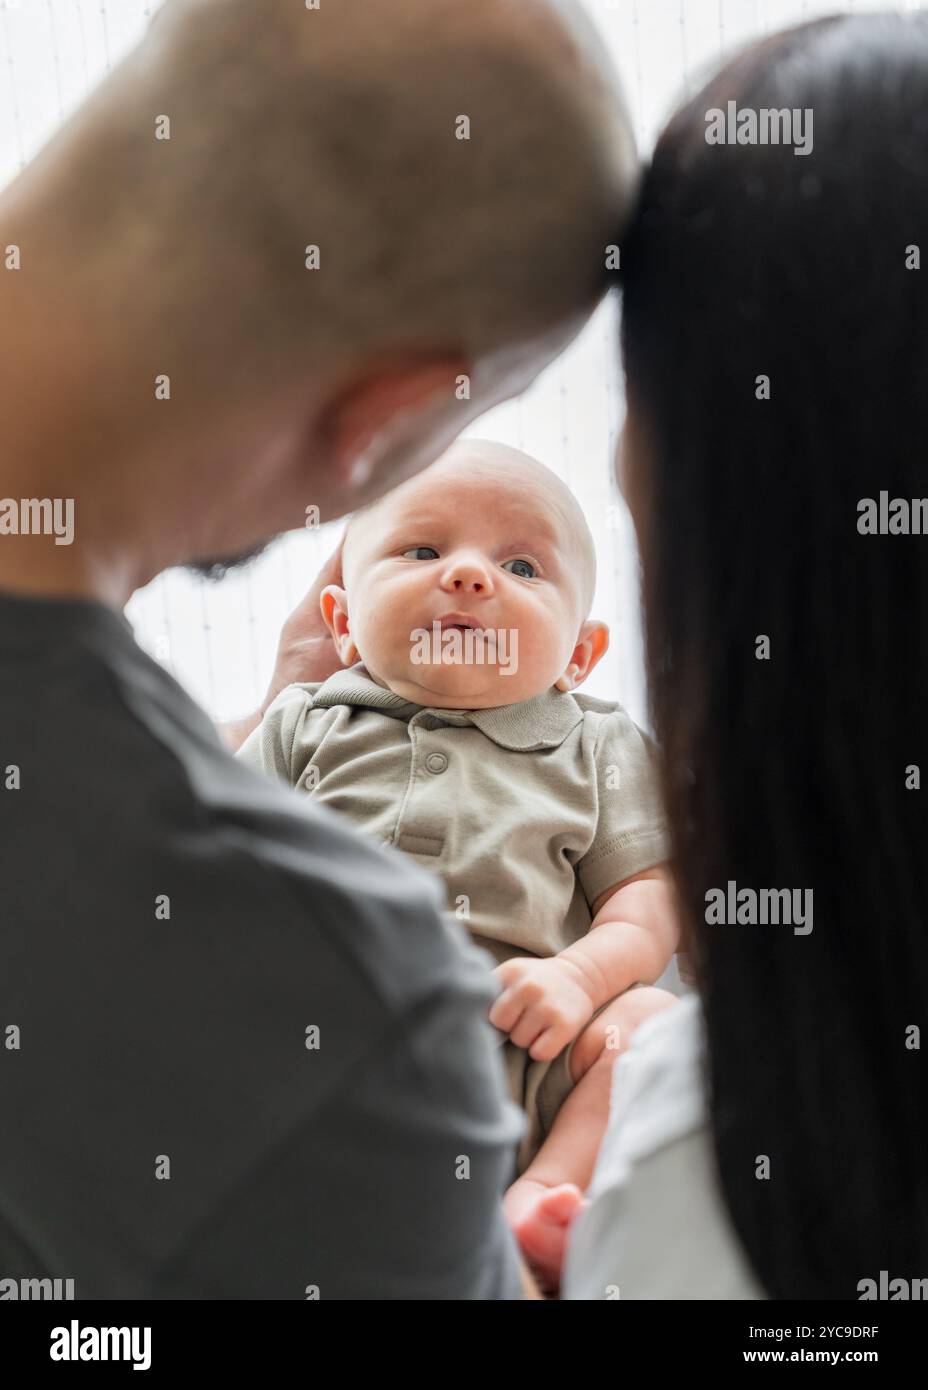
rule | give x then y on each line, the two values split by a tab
506	1011
549	1043
530	1026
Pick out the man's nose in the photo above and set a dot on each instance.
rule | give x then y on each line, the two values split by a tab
468	574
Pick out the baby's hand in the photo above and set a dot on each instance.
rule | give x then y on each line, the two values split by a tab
543	1004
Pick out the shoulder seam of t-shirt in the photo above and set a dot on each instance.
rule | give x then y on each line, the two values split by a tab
601	721
304	707
288	752
618	715
308	690
592	704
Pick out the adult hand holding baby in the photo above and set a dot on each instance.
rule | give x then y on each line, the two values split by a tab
305	651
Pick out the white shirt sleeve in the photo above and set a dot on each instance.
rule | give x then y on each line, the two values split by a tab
656	1226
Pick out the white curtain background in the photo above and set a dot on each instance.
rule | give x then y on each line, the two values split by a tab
219	639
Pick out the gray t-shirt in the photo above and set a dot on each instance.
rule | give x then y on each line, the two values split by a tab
243	1054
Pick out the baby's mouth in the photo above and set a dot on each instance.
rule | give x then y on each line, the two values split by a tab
458	621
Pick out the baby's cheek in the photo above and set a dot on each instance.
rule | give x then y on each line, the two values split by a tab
385	641
544	654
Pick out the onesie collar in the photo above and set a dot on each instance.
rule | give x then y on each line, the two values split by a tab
542	722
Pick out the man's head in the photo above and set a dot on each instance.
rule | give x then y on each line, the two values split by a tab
461	170
489	540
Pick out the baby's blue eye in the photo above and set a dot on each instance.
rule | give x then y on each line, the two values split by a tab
415	553
526	565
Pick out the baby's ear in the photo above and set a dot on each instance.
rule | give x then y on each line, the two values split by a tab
334	604
592	645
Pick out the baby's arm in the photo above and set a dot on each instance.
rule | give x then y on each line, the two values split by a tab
545	1003
632	937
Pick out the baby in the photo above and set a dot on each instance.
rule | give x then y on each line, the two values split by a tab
455	737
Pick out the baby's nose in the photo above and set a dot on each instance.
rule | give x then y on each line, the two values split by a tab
468	576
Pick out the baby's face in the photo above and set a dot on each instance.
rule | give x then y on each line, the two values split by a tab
486	547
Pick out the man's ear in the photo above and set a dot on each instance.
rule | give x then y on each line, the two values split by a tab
592	645
334	604
386	412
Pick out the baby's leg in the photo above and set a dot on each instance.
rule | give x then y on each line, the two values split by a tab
541	1204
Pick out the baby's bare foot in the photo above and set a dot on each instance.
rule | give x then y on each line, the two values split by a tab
541	1217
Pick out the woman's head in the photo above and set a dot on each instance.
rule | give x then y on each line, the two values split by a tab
776	346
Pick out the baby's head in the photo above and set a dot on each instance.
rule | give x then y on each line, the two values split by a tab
486	539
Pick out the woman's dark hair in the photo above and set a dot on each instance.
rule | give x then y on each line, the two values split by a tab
750	261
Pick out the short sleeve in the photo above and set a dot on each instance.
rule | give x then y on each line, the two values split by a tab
271	747
631	829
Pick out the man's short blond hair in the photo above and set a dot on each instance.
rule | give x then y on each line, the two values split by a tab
338	128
